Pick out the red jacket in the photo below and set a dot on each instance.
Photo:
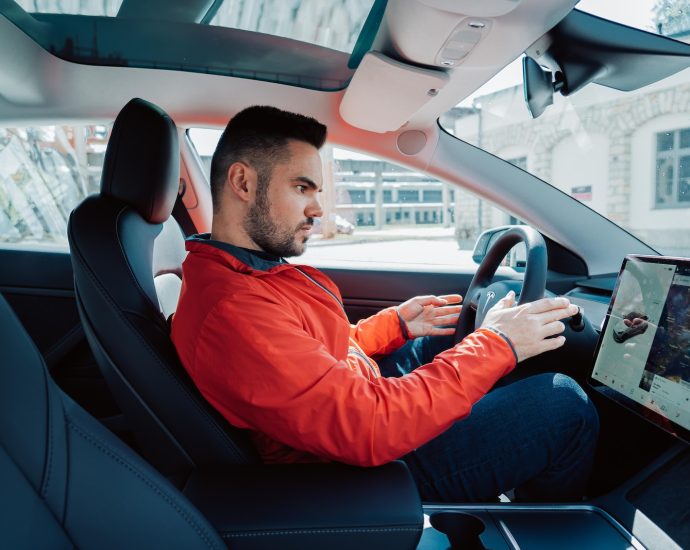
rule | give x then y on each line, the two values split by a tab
270	347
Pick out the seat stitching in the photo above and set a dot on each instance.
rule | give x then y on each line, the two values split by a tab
111	453
49	429
228	535
212	422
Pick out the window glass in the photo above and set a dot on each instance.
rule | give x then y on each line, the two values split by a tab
377	213
333	24
108	8
138	34
625	155
44	173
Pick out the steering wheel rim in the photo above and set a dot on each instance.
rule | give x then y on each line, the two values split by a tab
478	300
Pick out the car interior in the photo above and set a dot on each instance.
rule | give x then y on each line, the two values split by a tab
104	440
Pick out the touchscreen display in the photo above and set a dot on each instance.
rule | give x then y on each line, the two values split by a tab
644	350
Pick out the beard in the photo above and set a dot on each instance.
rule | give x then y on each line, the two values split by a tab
271	236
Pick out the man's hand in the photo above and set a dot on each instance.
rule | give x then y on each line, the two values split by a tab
528	326
427	315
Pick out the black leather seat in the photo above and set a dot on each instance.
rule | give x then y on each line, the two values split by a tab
66	480
126	254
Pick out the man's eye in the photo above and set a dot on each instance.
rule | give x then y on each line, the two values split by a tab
301	188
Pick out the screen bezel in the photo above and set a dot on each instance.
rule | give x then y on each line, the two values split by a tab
648	414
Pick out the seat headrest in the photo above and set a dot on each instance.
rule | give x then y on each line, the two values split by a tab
142	161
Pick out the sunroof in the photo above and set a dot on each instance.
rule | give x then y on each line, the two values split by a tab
334	24
107	8
299	43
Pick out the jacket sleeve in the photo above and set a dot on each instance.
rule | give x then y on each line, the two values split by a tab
263	372
379	334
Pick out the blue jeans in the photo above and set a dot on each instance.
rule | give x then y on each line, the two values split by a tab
537	436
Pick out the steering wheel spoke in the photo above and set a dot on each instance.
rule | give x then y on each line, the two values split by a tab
483	292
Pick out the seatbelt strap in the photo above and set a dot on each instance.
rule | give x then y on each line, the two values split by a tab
181	214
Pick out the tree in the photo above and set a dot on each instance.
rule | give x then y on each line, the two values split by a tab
672	16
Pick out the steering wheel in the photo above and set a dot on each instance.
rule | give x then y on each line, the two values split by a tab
483	293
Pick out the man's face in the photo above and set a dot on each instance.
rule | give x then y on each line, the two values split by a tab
282	215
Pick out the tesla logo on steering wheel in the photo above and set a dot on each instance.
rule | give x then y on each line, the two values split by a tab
490	295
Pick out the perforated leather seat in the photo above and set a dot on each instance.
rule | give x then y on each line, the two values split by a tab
127	254
66	480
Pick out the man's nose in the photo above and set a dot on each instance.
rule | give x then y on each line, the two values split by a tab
314	209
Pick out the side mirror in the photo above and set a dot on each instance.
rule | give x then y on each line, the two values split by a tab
517	257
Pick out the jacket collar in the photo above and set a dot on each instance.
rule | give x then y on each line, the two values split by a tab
246	257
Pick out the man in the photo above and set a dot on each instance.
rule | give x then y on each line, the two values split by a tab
269	345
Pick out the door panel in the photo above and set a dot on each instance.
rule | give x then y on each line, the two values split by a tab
39	287
366	291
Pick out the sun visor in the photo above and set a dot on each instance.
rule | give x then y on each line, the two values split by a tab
383	93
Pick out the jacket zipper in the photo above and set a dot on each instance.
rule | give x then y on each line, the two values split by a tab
322	288
351	349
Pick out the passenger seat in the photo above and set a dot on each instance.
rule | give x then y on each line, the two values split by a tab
67	481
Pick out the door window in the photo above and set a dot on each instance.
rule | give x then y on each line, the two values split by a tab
45	171
377	213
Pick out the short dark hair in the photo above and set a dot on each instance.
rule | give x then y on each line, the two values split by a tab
259	136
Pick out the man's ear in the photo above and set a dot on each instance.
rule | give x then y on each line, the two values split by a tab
241	180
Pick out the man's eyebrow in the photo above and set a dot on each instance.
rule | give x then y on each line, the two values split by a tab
308	182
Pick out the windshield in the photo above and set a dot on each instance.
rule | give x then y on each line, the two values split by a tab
626	155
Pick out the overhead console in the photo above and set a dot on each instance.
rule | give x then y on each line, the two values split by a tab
410	76
384	93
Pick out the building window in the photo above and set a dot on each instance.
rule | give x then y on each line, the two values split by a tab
358	196
408	195
433	195
672	169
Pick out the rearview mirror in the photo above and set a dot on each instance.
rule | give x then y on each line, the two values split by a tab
539	86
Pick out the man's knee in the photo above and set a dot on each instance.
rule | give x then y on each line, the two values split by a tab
573	403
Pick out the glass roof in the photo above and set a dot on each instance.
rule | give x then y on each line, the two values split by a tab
303	43
107	8
334	24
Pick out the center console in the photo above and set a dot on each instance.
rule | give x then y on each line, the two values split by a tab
514	526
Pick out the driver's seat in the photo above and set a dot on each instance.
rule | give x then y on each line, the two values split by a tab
126	254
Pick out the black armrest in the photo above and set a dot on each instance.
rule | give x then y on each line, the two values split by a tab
305	506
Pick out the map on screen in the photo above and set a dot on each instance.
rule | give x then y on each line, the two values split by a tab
644	351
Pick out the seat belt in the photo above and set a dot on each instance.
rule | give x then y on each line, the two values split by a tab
181	214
